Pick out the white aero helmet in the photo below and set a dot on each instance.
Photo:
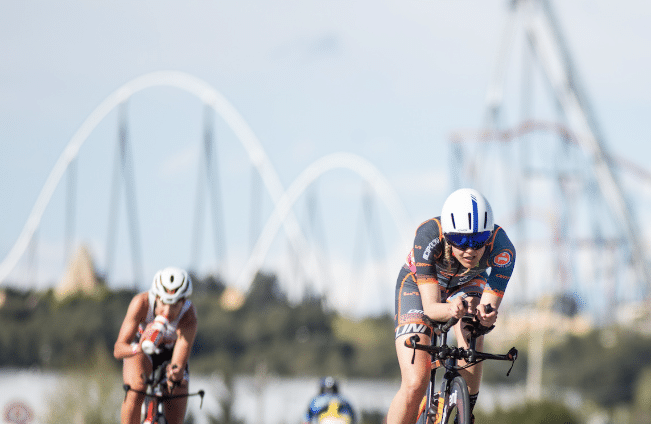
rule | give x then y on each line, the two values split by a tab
467	219
171	284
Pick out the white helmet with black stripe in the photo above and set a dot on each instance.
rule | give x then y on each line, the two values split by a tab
171	285
466	211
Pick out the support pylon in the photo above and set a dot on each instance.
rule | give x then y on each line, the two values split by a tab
548	46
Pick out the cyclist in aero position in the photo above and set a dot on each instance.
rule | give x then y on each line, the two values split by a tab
160	325
446	276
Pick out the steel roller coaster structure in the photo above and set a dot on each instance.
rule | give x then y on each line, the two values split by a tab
581	174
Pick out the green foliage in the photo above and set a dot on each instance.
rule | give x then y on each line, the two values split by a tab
292	339
303	339
531	413
604	365
642	399
38	330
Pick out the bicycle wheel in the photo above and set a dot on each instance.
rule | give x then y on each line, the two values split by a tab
458	402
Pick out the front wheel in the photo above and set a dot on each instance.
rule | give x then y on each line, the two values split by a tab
458	403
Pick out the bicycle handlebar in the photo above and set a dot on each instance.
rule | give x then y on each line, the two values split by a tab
156	379
471	356
445	327
127	388
440	326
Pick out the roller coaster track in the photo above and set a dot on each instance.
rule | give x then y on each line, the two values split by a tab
192	85
283	200
548	45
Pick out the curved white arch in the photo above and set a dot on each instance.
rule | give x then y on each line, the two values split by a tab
281	212
181	80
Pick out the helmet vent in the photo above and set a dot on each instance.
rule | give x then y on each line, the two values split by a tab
485	220
171	278
469	220
453	224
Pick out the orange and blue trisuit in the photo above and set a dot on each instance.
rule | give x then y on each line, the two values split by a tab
427	261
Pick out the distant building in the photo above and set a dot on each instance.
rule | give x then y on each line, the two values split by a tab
79	276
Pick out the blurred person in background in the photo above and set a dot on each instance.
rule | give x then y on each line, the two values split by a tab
160	325
329	407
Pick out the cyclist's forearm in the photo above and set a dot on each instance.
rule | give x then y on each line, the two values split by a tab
432	305
123	350
490	298
180	357
438	311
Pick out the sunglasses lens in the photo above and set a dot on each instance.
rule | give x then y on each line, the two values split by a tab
463	241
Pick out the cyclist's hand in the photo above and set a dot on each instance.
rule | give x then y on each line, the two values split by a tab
174	376
472	302
457	307
486	314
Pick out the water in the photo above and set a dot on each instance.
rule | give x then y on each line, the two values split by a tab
271	400
279	400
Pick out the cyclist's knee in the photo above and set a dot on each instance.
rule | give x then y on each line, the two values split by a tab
135	381
414	382
133	400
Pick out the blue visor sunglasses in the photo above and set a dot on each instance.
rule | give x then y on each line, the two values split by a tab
474	241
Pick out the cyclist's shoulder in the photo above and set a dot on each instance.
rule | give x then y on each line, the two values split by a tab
431	224
189	320
140	301
501	240
502	251
191	312
430	229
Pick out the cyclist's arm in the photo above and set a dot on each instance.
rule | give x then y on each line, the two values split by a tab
437	310
502	262
186	332
136	313
488	316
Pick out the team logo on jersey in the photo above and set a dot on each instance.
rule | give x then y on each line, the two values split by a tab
503	259
429	248
412	328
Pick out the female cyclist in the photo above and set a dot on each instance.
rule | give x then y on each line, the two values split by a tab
449	262
160	325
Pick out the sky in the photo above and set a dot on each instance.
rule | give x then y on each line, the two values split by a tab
387	81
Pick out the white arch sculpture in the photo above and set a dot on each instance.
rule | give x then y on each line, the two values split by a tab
284	206
192	85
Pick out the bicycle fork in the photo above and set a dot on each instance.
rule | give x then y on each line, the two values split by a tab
434	410
153	408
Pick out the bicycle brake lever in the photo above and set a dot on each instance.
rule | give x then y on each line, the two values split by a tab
413	340
513	355
201	393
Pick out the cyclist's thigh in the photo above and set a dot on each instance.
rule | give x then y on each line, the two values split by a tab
133	368
175	408
408	322
409	307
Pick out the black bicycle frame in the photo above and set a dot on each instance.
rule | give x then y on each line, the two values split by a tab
439	350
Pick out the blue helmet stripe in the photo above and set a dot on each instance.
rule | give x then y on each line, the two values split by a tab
475	217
